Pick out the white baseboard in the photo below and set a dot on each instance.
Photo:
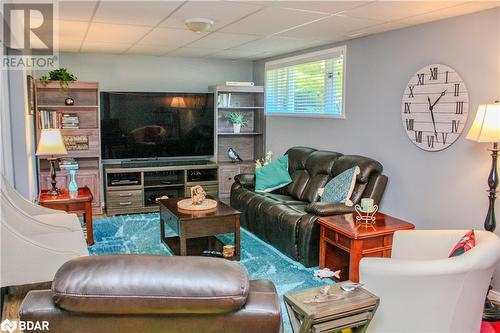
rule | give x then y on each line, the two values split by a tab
494	296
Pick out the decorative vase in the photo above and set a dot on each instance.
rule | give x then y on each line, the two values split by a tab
73	186
236	128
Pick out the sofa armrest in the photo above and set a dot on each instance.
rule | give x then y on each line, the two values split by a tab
327	208
247	180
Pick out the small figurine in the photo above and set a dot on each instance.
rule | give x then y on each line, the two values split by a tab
233	155
264	161
326	273
323	296
198	194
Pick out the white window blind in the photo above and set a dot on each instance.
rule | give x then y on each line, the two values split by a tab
307	85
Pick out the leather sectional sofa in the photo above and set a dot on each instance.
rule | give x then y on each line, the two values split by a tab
286	218
154	294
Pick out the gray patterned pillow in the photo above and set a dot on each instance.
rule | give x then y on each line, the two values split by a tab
340	188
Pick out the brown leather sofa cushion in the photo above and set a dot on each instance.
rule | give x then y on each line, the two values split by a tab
135	284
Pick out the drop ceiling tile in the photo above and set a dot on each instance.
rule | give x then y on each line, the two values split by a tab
279	44
240	54
328	7
329	29
170	37
69	45
222	13
395	10
98	47
147	13
459	9
222	40
375	29
72	30
155	50
115	33
76	10
192	52
271	20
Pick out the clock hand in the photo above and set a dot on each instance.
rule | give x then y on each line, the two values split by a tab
432	116
437	100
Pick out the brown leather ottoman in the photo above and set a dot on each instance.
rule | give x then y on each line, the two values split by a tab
133	293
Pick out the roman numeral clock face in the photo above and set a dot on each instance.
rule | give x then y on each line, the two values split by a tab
434	108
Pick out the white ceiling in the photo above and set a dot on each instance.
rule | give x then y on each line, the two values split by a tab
242	29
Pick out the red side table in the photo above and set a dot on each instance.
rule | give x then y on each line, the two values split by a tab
80	203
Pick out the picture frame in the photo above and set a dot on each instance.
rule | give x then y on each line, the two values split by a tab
30	82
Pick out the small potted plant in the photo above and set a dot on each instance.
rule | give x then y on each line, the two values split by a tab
238	120
62	75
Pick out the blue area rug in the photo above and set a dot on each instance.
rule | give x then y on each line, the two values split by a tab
140	234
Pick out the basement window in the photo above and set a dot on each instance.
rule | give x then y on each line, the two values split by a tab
308	85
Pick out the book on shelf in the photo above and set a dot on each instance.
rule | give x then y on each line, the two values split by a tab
70	121
68	163
240	83
50	119
224	100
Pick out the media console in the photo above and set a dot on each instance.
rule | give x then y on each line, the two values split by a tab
135	189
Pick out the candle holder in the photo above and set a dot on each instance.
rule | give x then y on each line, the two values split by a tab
365	217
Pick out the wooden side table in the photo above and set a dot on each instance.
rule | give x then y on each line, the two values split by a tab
343	241
81	203
354	310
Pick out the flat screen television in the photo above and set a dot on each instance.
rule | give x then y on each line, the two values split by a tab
156	125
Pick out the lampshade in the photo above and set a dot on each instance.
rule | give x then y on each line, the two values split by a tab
178	102
51	143
486	126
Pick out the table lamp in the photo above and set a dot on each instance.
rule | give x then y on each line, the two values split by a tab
50	144
486	128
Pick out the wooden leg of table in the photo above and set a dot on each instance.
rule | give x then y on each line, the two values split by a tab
354	258
88	222
182	245
293	319
322	248
237	239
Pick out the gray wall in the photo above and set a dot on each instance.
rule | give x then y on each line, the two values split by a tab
22	135
446	189
149	73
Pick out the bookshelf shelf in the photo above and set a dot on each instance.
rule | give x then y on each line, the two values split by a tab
249	143
50	112
239	134
69	107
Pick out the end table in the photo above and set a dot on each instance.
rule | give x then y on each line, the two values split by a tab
343	241
354	310
80	203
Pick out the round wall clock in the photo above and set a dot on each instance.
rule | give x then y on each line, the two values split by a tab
435	106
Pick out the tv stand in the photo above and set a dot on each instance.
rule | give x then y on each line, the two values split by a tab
134	189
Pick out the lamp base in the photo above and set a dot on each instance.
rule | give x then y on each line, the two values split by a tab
54	191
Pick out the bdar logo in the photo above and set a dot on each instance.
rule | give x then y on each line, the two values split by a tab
8	325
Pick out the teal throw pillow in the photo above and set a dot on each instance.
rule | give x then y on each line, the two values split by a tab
272	176
340	188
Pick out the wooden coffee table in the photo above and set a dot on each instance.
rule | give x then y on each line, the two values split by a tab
195	232
80	203
343	241
355	310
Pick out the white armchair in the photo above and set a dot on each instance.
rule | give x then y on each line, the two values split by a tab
35	241
422	290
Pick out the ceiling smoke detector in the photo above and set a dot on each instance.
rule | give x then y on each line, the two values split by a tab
199	24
